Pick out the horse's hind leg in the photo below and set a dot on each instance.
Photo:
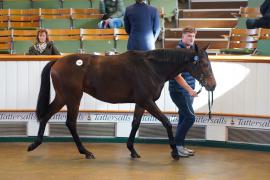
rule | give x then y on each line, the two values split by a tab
54	107
153	109
72	113
135	125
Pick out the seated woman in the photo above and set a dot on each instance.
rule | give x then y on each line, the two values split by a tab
43	46
113	11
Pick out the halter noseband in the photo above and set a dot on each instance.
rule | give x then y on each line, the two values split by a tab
203	83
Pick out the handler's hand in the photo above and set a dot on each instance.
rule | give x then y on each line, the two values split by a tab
193	93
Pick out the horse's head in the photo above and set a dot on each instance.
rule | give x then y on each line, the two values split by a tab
200	68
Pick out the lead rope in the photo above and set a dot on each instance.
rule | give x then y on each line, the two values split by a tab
200	90
210	103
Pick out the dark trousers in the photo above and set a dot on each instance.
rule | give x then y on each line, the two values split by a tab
186	115
263	22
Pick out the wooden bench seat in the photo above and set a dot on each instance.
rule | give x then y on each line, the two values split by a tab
208	13
214	4
215	43
201	32
208	23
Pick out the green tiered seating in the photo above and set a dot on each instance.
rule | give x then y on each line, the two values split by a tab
263	47
264	43
121	46
66	40
16	4
47	4
169	6
68	46
128	2
121	40
85	23
241	23
22	46
90	46
5	42
255	3
77	4
56	23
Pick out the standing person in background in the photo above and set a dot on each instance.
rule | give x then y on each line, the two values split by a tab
142	25
264	21
113	11
43	45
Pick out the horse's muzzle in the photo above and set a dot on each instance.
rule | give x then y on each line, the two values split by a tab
210	86
210	83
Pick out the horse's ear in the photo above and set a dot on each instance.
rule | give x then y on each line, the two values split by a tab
206	47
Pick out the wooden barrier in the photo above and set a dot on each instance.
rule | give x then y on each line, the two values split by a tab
21	62
213	58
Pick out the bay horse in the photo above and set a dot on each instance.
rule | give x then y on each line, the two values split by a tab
132	77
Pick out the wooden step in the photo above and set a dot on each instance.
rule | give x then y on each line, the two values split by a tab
215	43
208	13
208	23
170	22
201	32
214	4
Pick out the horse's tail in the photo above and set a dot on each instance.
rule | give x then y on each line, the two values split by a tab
44	92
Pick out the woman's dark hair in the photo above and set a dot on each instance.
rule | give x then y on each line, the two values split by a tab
42	31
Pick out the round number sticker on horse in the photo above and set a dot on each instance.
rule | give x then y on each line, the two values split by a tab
79	62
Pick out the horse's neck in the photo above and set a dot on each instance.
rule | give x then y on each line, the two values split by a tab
174	70
168	70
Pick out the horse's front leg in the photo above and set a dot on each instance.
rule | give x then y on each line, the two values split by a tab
153	109
135	126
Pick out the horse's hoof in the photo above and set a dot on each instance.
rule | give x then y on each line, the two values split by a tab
175	155
31	147
90	156
135	155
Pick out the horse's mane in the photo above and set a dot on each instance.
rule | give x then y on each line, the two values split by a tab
177	55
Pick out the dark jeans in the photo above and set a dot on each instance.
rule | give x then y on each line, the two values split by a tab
263	22
186	115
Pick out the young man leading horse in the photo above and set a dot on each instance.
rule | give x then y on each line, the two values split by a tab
182	93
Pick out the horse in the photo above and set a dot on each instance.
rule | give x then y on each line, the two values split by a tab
132	77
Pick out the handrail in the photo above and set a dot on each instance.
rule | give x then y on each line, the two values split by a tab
213	58
11	57
240	58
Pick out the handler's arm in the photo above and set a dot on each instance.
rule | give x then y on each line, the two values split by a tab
181	81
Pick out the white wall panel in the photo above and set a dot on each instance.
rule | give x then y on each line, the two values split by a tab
168	104
3	85
250	88
34	83
262	89
242	88
11	85
22	85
